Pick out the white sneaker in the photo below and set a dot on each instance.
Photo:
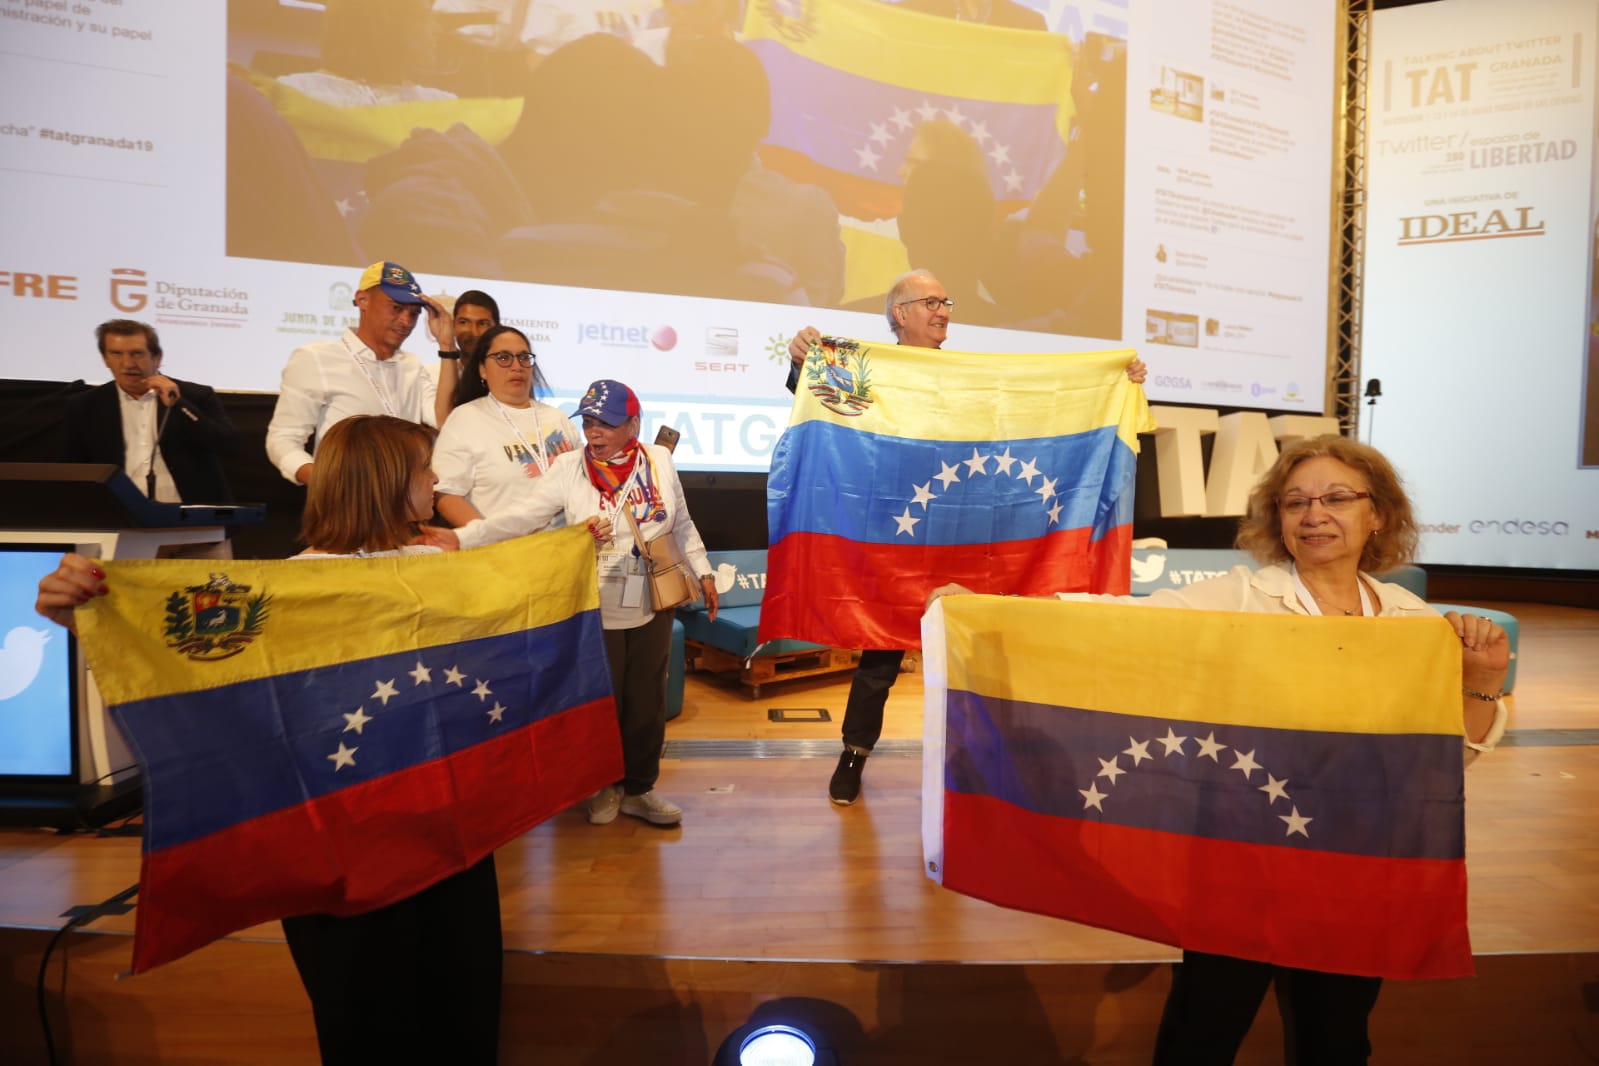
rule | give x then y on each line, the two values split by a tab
604	804
653	809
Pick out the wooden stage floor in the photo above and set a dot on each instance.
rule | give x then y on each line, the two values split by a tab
769	890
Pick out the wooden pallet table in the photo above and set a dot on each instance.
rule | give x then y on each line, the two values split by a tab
765	669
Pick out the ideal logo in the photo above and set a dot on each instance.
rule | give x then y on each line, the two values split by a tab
1468	226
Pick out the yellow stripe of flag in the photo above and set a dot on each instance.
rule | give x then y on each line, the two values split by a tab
1209	666
322	612
942	395
922	52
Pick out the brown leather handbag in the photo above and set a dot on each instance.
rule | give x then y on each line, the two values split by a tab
672	583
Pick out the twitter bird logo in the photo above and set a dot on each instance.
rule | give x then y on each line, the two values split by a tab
1148	568
726	574
20	659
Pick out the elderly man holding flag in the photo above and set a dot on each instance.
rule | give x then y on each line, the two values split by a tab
918	310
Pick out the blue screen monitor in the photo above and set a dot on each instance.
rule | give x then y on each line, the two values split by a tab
38	661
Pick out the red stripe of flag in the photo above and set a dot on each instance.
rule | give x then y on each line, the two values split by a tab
1395	918
839	575
394	835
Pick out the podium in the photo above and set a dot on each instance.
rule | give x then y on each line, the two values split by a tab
62	763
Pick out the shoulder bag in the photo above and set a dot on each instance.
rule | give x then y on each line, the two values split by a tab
672	583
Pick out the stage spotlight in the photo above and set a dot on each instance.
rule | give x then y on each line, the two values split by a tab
792	1031
774	1044
777	1045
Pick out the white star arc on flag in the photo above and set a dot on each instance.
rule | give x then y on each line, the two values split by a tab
892	138
357	720
1244	762
976	465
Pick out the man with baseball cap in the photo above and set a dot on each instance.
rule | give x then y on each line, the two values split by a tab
364	372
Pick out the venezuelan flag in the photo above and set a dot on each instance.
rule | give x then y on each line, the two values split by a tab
356	134
1276	788
852	79
905	468
331	736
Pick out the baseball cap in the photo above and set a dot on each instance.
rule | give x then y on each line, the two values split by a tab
395	281
609	401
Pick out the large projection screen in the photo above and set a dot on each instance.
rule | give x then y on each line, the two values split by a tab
1480	318
668	203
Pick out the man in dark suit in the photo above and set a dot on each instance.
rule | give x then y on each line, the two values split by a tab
169	436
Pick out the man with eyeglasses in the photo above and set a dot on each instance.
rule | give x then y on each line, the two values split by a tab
364	372
169	436
918	310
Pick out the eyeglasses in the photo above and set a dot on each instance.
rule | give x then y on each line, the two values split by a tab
1332	501
932	303
507	358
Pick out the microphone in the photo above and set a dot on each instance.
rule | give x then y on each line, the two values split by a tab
175	401
155	447
1373	390
160	430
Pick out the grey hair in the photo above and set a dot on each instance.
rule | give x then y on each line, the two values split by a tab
896	293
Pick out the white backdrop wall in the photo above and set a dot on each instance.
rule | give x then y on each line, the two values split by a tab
1479	276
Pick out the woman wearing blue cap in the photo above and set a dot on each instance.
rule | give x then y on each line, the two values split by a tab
614	478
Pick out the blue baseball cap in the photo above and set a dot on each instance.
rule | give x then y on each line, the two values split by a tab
611	402
395	281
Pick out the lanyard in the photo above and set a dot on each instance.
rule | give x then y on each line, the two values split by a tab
541	458
383	397
619	500
1312	607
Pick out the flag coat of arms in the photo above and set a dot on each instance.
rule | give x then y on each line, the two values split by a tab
905	468
853	79
332	736
1276	788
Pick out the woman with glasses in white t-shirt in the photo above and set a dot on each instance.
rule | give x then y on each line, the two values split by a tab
499	438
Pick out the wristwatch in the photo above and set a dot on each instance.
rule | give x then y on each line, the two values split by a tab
448	355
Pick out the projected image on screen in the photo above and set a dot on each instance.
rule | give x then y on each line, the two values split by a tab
792	153
35	680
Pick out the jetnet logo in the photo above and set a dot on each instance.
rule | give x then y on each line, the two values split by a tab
610	335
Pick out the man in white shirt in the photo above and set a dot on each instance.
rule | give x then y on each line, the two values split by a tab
364	372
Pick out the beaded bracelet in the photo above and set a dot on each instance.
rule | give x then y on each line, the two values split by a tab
1485	697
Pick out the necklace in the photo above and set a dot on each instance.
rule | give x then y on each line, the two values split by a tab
1334	606
1314	602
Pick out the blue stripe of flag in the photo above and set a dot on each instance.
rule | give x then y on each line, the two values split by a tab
868	479
1388	796
221	756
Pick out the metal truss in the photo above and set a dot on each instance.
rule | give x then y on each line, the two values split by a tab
1347	276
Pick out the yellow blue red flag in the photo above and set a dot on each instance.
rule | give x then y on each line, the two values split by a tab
1279	788
331	736
853	79
906	468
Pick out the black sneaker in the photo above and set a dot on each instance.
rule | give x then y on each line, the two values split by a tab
845	787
